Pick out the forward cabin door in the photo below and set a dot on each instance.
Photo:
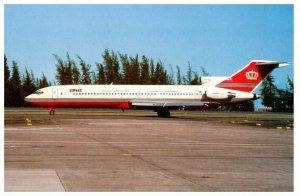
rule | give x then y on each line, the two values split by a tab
197	94
54	93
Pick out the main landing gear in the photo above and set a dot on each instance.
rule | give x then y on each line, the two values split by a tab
163	113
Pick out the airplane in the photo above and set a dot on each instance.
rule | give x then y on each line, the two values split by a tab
212	93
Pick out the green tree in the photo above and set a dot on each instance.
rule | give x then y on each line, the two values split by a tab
204	72
43	82
86	73
76	76
195	80
131	69
290	95
178	75
152	72
160	75
284	100
7	90
126	68
116	68
68	69
171	76
94	77
16	87
268	92
109	68
145	77
101	74
60	70
28	83
189	75
134	70
64	70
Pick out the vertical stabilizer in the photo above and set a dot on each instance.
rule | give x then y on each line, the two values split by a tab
251	76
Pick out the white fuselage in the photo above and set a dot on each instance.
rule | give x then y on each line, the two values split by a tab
135	96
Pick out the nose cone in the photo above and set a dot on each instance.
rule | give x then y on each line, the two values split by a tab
29	98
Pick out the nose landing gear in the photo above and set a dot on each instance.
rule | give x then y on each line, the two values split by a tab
51	111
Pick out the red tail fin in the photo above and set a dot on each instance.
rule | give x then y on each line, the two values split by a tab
251	76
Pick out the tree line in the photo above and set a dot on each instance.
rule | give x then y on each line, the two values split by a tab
118	68
17	86
277	99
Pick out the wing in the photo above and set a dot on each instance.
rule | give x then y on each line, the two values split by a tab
167	104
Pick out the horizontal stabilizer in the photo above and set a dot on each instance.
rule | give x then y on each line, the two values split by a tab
279	64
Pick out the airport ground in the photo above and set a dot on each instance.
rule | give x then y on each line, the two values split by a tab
111	150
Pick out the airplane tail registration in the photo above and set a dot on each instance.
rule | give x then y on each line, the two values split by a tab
250	77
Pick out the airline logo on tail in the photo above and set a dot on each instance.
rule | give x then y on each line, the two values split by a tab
251	75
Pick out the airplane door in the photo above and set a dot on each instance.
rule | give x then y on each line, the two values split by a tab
148	94
139	94
54	93
198	94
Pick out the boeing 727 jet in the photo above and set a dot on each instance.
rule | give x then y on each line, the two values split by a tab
214	92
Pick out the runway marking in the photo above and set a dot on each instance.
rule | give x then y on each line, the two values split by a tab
131	123
29	123
167	143
28	128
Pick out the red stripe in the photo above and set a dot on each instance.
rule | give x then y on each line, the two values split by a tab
62	104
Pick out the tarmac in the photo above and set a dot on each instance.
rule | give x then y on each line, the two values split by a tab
119	152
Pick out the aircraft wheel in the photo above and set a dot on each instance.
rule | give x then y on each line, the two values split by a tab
163	113
52	112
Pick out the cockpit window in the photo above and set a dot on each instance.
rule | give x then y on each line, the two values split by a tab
38	92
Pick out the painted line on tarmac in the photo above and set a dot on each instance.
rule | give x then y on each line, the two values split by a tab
171	143
28	129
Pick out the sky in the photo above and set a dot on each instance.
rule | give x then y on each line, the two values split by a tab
220	38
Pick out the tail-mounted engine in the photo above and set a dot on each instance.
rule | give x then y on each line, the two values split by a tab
219	95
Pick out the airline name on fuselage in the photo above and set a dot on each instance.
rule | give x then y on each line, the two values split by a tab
74	90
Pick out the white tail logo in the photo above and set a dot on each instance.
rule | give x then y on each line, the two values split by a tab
251	75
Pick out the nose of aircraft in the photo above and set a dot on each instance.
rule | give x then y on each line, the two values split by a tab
28	98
